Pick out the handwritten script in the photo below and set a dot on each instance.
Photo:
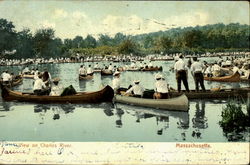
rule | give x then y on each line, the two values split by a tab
123	153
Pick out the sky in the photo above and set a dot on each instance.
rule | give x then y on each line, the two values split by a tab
70	18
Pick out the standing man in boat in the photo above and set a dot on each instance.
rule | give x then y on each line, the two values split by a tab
137	90
162	88
116	82
181	73
82	71
197	72
6	78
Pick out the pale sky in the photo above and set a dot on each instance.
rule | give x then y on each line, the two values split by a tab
70	18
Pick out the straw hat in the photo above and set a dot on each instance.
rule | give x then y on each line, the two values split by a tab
158	76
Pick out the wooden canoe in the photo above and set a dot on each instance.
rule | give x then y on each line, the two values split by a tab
30	76
88	77
106	73
104	95
152	69
221	94
179	103
233	78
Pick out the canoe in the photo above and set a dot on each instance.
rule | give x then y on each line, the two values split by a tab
152	69
104	95
233	78
88	77
244	79
16	81
179	103
208	94
30	76
106	73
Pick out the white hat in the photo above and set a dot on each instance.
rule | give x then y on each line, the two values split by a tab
158	76
116	73
136	81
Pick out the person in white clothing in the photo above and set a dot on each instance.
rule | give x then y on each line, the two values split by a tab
116	82
137	90
150	64
90	70
208	71
181	73
39	86
197	72
82	71
6	78
110	68
56	90
162	87
216	70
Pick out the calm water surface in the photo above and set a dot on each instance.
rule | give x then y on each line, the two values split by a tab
107	122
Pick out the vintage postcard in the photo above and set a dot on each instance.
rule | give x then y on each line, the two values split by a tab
124	82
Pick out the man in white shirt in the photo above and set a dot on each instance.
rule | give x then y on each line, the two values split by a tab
56	90
208	71
137	90
110	68
6	77
82	71
162	88
90	70
216	70
116	82
39	86
197	72
181	73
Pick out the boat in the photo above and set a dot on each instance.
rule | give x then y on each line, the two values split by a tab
29	76
87	77
216	94
152	69
104	95
106	72
17	81
179	103
232	78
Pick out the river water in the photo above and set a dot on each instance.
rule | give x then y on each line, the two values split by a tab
106	122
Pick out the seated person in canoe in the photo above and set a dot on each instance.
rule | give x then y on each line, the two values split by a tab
46	77
82	71
162	88
39	87
56	89
90	71
136	90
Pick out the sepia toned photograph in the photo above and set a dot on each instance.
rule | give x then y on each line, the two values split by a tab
129	72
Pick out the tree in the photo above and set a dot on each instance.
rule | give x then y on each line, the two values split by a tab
119	37
78	42
105	40
42	39
25	44
7	36
128	47
163	44
90	42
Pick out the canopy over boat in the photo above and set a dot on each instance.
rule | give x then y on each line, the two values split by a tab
104	95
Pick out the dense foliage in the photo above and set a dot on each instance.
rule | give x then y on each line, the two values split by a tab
199	39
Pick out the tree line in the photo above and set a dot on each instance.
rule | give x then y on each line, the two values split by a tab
188	40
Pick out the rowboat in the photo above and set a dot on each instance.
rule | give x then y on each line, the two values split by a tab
106	73
152	69
87	77
179	103
220	94
30	76
233	78
104	95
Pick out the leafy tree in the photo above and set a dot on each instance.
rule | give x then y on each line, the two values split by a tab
25	44
7	36
90	42
127	47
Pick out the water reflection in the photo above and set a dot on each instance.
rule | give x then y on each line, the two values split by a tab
119	113
42	109
199	120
